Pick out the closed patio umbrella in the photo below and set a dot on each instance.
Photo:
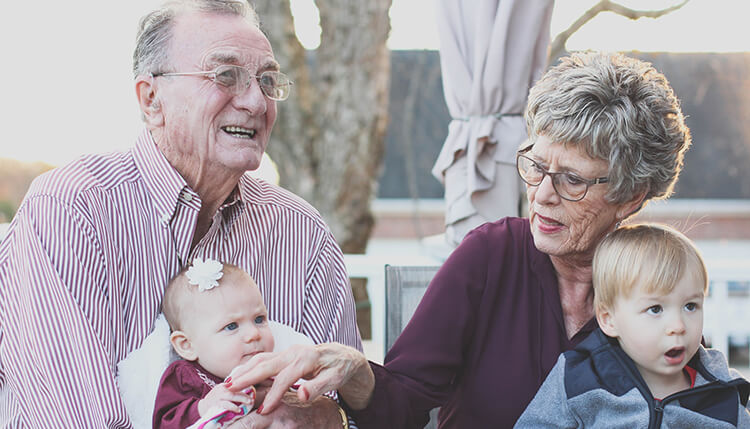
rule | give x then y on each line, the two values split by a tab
491	53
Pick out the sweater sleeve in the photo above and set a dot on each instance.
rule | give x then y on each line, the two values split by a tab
420	369
177	398
549	408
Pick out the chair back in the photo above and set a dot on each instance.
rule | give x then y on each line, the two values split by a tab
404	288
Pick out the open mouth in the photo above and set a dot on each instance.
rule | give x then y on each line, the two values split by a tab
239	132
675	355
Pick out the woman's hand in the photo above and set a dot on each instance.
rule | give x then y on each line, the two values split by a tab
325	367
321	413
226	399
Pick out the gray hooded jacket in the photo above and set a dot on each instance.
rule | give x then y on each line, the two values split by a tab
597	385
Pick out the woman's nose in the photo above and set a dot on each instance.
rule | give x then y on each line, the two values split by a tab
546	192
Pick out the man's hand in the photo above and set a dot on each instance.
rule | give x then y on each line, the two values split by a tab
221	396
321	413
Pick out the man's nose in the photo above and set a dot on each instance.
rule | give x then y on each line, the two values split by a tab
252	99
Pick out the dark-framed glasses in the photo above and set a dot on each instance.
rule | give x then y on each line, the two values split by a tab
236	79
569	186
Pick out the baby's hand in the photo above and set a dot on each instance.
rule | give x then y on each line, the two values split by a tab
222	397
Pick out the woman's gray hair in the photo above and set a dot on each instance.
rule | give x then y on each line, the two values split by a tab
155	29
618	109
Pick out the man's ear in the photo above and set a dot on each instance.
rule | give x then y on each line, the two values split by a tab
148	101
606	322
182	345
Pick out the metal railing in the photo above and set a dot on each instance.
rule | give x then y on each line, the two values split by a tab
726	308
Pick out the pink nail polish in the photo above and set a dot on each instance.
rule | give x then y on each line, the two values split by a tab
260	409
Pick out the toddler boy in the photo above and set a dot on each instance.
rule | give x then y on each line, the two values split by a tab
645	366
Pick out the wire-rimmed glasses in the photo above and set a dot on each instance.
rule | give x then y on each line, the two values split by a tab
568	186
236	79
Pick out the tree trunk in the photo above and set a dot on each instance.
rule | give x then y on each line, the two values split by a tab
330	134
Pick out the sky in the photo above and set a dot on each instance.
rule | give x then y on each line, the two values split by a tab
67	86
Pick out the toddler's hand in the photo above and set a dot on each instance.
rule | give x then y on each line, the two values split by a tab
222	397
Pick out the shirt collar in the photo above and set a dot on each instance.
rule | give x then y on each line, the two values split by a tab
163	182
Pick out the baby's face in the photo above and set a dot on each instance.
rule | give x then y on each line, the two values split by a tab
229	324
661	333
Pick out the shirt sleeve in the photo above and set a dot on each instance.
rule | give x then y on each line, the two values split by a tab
329	314
56	348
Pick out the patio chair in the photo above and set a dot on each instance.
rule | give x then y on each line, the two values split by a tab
404	288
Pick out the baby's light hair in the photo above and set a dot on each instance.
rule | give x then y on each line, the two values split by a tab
650	257
179	290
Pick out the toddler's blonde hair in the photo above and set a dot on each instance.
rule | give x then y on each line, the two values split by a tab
651	257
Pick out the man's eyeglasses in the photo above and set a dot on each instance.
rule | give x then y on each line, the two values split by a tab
567	185
236	79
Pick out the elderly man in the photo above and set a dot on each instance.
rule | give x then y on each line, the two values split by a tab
85	262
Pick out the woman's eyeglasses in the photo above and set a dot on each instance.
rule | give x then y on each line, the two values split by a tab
568	186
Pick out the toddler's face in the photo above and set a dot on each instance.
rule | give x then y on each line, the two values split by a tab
661	333
229	324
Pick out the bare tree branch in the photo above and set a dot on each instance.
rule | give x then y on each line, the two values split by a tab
557	48
636	14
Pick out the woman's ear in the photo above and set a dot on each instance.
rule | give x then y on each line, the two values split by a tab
148	101
606	322
183	346
629	207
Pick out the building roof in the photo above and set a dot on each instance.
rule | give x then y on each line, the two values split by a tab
714	90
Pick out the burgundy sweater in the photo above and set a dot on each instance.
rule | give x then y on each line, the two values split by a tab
481	342
180	389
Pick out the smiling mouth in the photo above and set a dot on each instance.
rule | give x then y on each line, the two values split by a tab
239	132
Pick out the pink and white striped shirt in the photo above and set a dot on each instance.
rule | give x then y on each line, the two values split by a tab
86	259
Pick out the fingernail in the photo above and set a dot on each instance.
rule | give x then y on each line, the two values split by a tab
228	385
228	379
260	409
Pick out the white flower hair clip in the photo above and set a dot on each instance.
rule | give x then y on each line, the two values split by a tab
205	274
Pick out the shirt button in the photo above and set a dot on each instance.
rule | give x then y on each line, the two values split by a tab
186	197
165	219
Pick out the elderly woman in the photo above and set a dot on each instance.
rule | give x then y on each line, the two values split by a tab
606	135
